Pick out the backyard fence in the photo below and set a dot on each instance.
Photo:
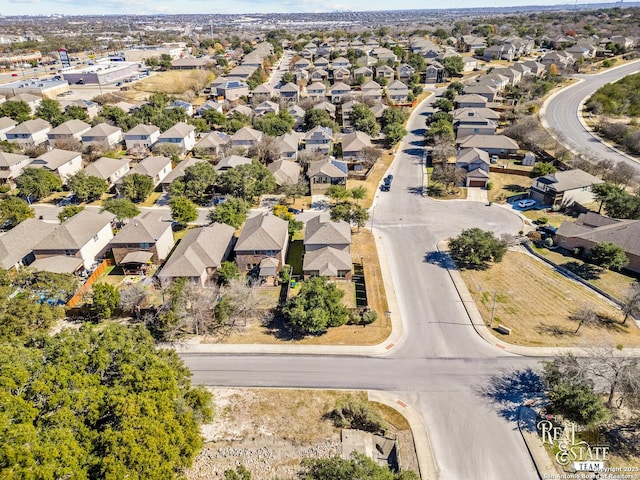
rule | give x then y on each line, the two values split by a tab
77	297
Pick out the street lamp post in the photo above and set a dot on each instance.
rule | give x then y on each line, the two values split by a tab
493	309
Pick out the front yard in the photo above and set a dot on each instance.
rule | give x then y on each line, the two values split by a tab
505	185
537	303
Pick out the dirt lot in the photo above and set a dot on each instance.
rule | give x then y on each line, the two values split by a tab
173	82
614	283
537	302
271	431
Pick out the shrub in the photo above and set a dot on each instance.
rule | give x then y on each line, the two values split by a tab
542	221
357	415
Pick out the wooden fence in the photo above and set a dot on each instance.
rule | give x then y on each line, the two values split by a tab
77	297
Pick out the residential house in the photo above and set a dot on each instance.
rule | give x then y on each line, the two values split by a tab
267	107
92	109
397	92
209	105
405	71
68	133
327	247
512	74
11	166
317	91
367	61
384	55
476	162
470	64
319	139
6	124
301	76
346	114
364	72
470	101
186	106
285	172
262	245
103	136
339	91
302	64
262	92
154	167
16	245
494	80
341	75
178	171
86	236
290	92
63	163
298	113
435	73
148	235
493	52
141	137
319	75
246	137
590	229
213	143
181	135
536	68
232	161
321	63
326	172
471	124
353	143
489	92
471	43
289	144
386	72
232	90
563	188
30	133
327	107
340	62
199	255
562	60
492	144
109	169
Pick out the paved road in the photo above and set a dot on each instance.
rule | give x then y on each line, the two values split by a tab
561	114
442	365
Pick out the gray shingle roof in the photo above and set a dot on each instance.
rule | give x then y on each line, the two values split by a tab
76	231
320	230
263	232
145	228
327	261
20	240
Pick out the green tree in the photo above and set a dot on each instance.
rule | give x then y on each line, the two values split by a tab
122	208
393	115
227	272
197	183
475	248
76	112
439	129
540	169
37	183
318	117
358	467
247	181
87	187
17	110
240	473
443	104
99	403
453	65
232	212
69	211
105	299
136	187
358	193
317	307
15	210
394	132
275	124
604	192
363	120
337	192
50	111
608	256
183	210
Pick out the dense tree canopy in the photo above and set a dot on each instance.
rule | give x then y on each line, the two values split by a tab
232	212
87	187
183	210
37	183
97	403
621	98
197	183
475	248
15	210
247	181
121	208
136	187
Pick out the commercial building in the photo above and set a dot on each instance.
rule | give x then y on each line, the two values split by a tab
101	73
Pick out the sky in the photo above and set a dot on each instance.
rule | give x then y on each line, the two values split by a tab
110	7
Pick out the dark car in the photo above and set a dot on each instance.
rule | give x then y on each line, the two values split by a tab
388	179
295	211
385	188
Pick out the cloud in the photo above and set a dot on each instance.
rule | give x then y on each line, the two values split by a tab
24	1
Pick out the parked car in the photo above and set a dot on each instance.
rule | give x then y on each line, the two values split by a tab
118	84
388	179
528	203
494	158
295	211
385	187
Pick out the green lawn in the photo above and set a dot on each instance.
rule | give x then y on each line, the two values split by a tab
294	256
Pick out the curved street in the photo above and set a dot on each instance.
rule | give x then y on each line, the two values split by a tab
441	365
561	115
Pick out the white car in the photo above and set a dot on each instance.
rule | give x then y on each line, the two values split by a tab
526	203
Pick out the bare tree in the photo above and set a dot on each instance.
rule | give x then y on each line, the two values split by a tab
266	150
449	175
443	150
622	174
631	305
369	156
585	316
131	298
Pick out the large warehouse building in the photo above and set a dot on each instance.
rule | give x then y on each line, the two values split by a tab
42	87
101	73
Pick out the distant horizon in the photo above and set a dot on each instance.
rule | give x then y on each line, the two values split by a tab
250	7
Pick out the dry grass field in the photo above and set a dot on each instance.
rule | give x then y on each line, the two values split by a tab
506	184
537	303
174	82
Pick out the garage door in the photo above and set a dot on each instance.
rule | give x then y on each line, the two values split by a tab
476	183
